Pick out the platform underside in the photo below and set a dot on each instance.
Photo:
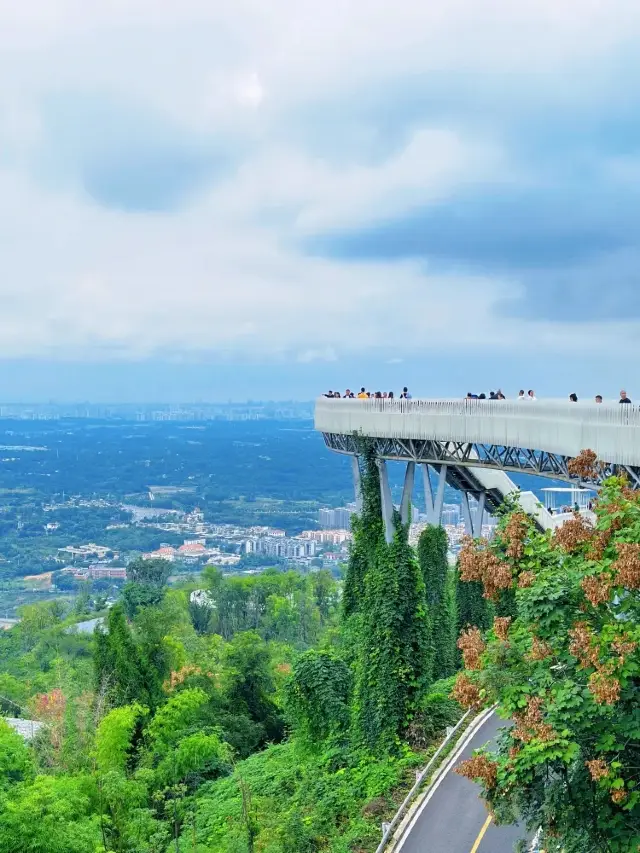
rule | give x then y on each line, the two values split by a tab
462	455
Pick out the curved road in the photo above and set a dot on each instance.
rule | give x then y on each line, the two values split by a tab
452	818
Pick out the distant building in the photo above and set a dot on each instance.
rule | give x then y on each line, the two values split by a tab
331	557
451	514
266	531
335	519
328	537
27	729
279	547
192	549
84	552
165	552
101	572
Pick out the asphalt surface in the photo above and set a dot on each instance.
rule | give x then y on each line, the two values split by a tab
453	818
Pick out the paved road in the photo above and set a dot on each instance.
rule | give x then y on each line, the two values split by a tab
454	818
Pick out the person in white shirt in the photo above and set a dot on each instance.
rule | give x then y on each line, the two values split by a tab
531	396
521	395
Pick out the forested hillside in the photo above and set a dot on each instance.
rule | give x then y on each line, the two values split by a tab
286	712
255	715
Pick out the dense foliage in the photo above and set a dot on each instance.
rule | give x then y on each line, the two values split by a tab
439	589
385	604
566	669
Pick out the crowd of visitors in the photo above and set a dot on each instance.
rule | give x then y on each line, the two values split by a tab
363	394
529	396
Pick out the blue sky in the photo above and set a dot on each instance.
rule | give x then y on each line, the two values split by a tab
240	200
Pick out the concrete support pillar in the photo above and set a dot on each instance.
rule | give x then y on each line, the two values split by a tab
466	514
428	491
473	522
387	503
479	519
407	493
357	482
439	501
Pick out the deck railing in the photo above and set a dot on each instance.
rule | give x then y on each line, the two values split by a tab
612	430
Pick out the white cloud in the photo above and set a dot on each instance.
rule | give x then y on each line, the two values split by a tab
224	274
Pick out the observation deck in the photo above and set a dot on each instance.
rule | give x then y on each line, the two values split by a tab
472	444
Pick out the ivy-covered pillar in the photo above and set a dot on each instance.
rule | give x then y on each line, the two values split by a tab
387	503
428	491
357	482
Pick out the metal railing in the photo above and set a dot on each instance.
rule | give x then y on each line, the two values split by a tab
391	827
592	413
553	426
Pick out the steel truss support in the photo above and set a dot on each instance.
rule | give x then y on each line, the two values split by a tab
407	493
387	503
458	455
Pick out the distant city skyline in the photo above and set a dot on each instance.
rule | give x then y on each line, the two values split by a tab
449	374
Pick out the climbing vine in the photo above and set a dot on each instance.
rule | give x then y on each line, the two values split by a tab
317	695
368	533
434	566
393	656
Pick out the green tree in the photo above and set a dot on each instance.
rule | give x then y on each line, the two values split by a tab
146	584
16	761
324	592
153	572
566	670
434	565
131	669
317	695
54	814
250	686
114	737
202	616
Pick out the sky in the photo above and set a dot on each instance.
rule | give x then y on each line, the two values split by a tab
207	200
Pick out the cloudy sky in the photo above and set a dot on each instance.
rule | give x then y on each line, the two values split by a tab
202	199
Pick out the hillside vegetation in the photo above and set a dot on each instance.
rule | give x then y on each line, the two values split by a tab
283	712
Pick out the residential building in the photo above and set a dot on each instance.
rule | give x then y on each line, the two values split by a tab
328	537
278	547
335	519
100	572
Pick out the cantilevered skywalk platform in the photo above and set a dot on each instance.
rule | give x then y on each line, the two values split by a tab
474	444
